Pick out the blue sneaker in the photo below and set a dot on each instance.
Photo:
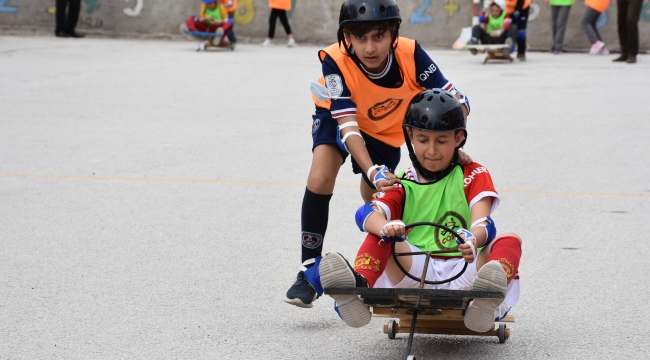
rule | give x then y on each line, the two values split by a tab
307	287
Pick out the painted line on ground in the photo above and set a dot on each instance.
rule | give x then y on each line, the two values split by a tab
279	183
167	106
150	106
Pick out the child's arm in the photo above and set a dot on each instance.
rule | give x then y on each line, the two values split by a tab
480	210
202	16
381	217
224	13
424	64
357	148
343	109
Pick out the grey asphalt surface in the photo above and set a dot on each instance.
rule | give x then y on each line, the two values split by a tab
150	203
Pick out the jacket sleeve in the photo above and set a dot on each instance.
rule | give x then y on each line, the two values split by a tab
224	13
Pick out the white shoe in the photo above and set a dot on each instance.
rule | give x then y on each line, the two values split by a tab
292	43
267	43
335	272
596	47
479	316
603	51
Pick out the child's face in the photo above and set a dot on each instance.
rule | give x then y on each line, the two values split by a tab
495	10
211	5
372	48
435	150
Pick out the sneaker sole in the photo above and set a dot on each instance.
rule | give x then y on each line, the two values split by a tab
335	273
479	316
299	302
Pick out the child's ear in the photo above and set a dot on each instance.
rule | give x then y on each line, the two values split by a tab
346	35
460	136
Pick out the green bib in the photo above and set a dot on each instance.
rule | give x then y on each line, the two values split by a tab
443	202
495	23
214	14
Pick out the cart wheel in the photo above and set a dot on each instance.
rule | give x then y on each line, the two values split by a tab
502	333
391	329
411	357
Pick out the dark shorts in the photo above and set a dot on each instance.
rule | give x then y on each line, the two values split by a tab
323	131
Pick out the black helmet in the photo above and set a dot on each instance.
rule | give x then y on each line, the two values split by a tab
434	110
367	10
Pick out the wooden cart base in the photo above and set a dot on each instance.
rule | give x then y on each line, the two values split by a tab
493	52
427	311
440	322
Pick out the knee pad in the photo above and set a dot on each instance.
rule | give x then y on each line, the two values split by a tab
521	34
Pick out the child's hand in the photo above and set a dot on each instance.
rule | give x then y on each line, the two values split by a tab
464	158
393	231
468	251
382	178
385	185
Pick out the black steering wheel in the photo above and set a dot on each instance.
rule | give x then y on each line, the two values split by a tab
428	254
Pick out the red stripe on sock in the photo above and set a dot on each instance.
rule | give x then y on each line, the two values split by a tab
507	251
372	258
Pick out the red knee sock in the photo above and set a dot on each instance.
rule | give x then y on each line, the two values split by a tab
507	251
372	258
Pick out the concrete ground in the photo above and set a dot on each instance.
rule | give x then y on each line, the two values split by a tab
150	203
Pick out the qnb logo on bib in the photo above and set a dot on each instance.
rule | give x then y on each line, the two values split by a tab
443	238
384	108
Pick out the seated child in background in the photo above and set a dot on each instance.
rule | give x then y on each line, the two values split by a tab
213	16
494	28
434	189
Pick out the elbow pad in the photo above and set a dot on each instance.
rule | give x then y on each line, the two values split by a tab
490	228
362	215
340	139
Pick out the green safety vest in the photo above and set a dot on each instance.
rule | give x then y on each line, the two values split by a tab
214	14
443	202
495	23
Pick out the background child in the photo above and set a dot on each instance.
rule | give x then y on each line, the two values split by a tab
594	9
560	10
279	10
370	73
231	7
433	189
213	16
495	27
629	12
518	10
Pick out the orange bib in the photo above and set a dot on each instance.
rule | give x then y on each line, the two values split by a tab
598	5
280	4
380	110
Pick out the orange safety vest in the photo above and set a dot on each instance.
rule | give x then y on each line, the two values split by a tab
512	4
380	110
598	5
280	4
232	7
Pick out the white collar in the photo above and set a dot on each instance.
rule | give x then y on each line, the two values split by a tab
383	73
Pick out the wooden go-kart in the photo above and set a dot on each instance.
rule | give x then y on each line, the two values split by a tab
493	52
429	311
